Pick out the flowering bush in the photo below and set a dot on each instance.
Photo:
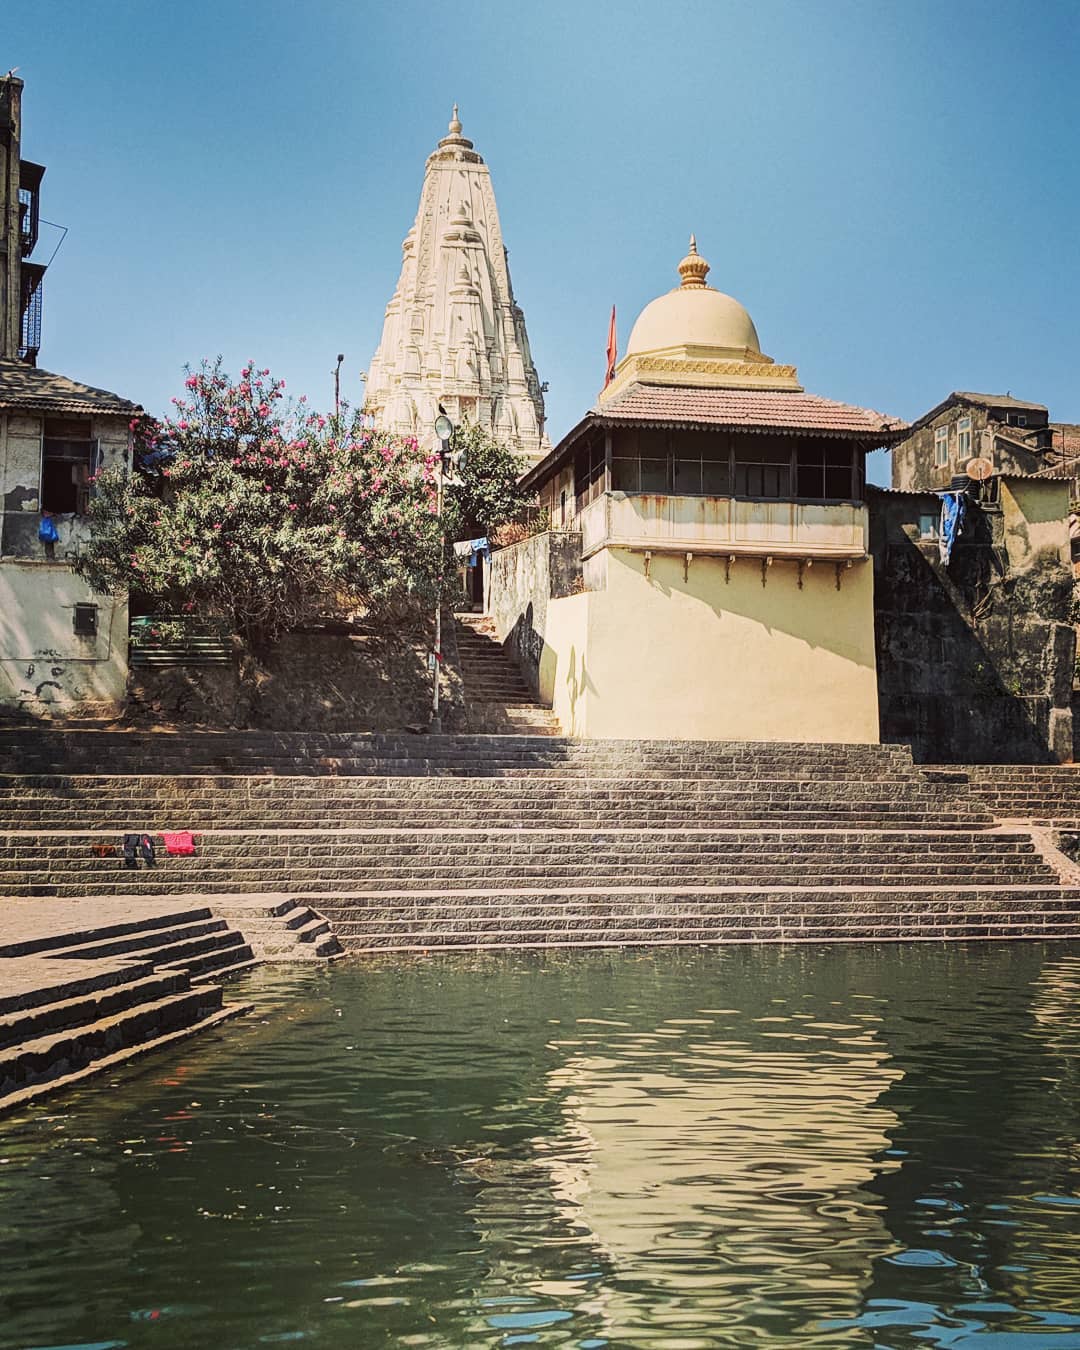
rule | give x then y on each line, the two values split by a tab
249	508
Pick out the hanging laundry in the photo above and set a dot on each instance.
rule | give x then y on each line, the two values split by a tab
178	841
470	550
131	848
953	506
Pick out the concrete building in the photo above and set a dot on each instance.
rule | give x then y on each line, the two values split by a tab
976	652
453	333
63	649
717	510
1011	435
20	276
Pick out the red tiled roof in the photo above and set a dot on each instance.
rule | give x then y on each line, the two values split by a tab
760	409
27	387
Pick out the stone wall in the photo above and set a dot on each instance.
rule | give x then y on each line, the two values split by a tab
975	662
309	682
522	579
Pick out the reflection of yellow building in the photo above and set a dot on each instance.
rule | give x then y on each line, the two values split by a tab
726	592
700	1189
728	1181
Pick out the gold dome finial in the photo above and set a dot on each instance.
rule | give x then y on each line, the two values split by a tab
455	123
693	269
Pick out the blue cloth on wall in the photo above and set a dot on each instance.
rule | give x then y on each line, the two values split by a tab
953	506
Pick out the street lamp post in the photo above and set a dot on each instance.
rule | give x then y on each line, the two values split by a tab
337	386
444	430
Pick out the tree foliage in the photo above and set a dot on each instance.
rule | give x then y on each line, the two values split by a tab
250	509
487	494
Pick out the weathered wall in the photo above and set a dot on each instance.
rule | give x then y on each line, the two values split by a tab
20	482
976	661
714	655
46	669
309	682
522	580
914	466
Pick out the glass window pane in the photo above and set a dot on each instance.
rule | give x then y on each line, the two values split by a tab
688	477
626	475
654	475
838	482
715	478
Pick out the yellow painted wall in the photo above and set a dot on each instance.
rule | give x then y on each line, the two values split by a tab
46	668
1036	516
704	658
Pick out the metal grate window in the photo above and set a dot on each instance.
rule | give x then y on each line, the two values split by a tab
30	304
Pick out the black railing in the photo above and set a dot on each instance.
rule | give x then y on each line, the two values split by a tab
30	334
30	176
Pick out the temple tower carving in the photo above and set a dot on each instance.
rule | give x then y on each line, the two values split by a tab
453	333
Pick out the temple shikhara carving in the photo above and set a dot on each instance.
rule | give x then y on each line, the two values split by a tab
454	334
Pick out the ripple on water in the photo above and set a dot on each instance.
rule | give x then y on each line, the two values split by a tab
729	1148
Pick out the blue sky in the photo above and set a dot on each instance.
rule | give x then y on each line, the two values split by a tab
889	186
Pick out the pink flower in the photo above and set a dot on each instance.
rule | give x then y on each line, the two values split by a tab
182	425
292	506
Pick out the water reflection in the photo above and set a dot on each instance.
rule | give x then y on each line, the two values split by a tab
872	1147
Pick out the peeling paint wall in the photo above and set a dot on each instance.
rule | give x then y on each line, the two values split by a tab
21	436
46	668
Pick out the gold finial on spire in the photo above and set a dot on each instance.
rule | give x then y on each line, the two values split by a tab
455	123
693	268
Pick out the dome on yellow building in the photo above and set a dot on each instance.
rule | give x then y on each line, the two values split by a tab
694	315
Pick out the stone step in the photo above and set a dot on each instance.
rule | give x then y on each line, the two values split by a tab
30	982
20	1098
63	940
144	944
56	1053
88	1006
200	959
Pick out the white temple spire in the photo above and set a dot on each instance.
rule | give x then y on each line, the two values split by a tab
453	333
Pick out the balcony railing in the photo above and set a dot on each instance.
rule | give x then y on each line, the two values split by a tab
30	176
725	525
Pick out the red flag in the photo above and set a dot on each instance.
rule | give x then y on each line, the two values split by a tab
612	350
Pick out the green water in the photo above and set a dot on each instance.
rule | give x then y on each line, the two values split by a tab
860	1146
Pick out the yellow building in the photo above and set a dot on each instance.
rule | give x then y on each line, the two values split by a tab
724	590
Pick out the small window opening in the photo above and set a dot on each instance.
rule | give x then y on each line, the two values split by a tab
67	465
941	446
86	617
963	439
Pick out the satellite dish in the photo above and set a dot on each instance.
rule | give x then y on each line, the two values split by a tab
979	469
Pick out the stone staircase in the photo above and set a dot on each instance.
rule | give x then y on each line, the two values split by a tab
417	843
1041	794
279	928
498	700
86	987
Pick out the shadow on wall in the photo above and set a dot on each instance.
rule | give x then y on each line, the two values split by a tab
770	596
969	664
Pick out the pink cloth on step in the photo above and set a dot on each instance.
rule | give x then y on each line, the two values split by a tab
180	841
